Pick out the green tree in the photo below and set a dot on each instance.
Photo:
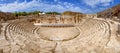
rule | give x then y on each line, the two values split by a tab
53	13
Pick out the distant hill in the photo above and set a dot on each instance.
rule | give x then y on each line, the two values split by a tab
70	13
111	12
6	16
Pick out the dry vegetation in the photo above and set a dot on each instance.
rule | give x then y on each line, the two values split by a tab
7	16
111	12
70	13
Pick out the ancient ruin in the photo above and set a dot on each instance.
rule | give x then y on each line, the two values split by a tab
69	32
58	34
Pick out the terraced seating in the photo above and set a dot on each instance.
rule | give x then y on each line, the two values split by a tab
98	27
86	36
18	28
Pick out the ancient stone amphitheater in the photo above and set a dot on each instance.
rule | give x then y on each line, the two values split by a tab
60	35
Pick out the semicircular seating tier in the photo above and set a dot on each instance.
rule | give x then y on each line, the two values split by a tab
90	35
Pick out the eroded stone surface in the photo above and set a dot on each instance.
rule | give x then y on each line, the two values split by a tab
87	36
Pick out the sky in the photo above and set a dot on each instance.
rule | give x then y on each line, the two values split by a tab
83	6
